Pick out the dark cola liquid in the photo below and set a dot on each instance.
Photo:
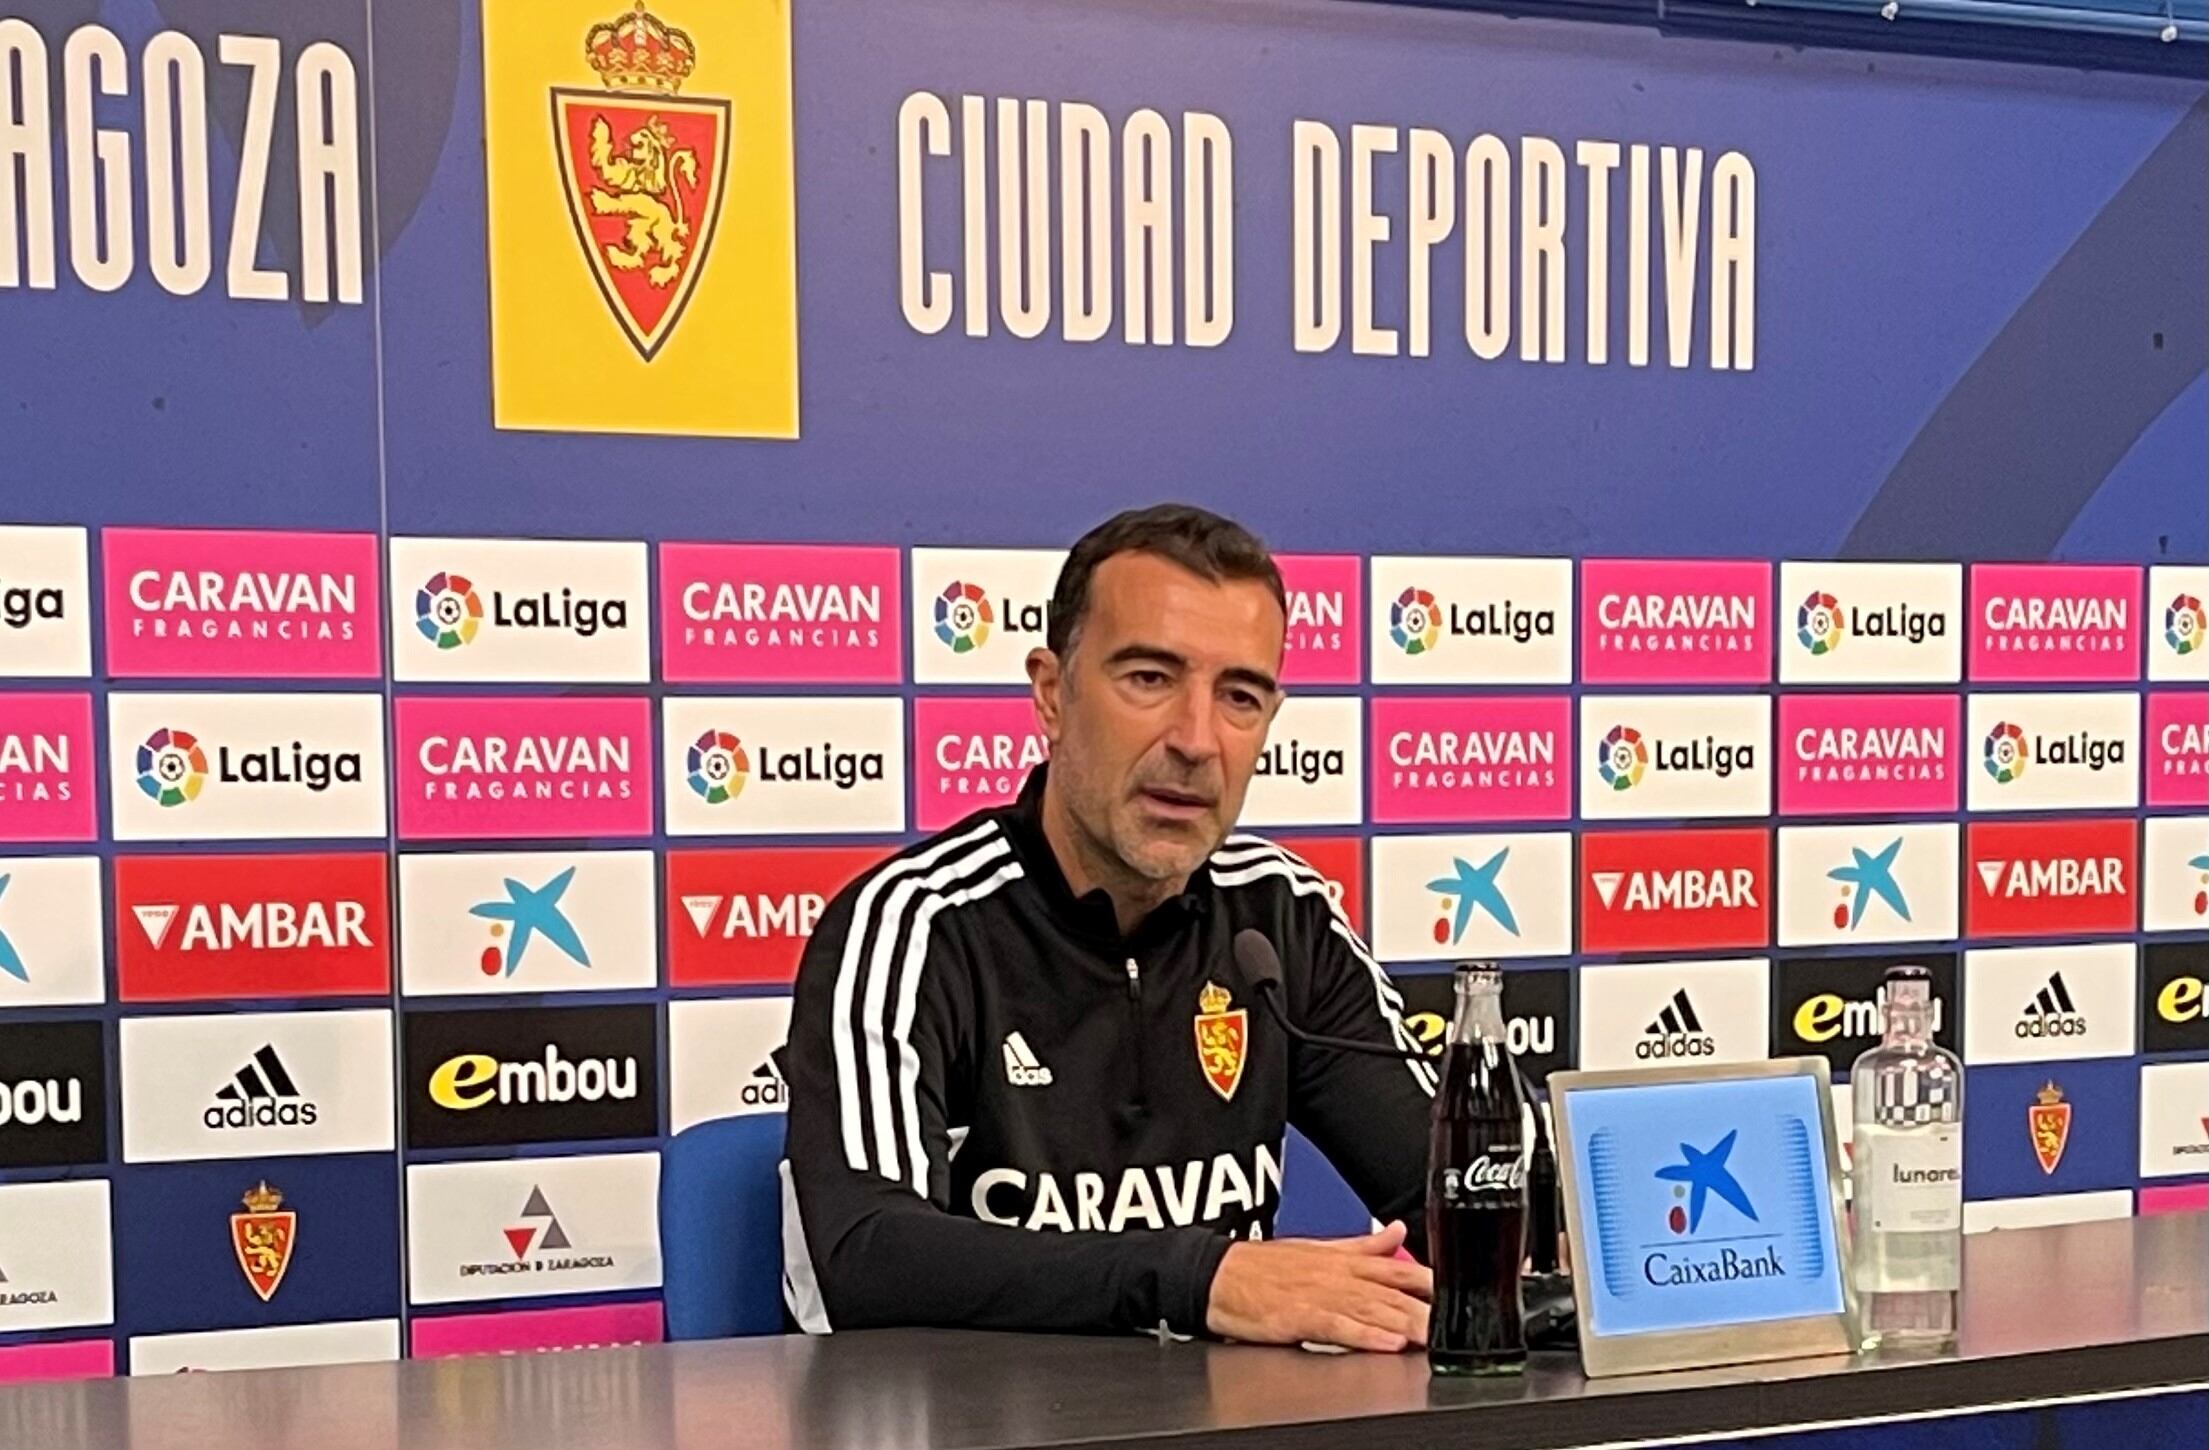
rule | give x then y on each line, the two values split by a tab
1476	1214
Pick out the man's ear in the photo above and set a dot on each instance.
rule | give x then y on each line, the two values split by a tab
1044	683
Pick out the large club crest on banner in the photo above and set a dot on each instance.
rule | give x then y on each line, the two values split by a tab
643	171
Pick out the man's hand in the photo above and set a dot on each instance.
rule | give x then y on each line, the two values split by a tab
1351	1292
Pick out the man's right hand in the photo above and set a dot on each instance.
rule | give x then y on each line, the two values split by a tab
1352	1292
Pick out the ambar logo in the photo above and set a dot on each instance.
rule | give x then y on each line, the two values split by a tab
2052	878
1664	890
554	1074
196	928
744	916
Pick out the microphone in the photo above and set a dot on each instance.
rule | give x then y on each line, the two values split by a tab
1260	968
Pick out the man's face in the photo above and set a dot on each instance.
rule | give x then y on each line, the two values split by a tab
1157	719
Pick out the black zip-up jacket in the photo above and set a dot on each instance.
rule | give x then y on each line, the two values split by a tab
1005	1114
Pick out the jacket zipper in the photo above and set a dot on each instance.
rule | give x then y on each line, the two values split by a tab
1135	1022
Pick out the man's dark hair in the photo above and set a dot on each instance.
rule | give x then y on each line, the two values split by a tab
1199	540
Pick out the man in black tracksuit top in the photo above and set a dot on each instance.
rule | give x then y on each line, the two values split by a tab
1028	1086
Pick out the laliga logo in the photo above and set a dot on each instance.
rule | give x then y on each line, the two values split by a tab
447	611
21	606
2185	625
171	767
1414	623
717	767
2006	750
1818	624
963	617
1622	758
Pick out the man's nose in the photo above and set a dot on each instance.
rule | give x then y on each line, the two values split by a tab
1193	732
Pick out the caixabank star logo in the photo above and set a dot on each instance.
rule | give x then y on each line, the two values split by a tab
642	249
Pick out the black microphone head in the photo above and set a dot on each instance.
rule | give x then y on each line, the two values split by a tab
1259	962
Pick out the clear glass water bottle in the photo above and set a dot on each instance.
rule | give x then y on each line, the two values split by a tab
1909	1174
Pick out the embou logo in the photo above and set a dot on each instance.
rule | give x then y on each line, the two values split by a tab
473	1080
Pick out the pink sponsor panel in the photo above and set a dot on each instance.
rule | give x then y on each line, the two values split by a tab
1326	634
781	614
534	1331
1468	758
75	1359
970	754
241	604
2055	622
523	767
46	768
2178	748
1675	621
1869	755
2175	1198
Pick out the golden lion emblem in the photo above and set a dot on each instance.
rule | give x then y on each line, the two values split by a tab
640	185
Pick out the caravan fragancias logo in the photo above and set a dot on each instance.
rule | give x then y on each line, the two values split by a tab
643	171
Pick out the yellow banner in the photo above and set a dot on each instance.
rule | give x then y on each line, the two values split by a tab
638	181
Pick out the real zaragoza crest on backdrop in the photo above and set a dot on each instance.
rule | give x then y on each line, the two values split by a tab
642	234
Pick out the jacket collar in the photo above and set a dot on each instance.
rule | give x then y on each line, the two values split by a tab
1091	914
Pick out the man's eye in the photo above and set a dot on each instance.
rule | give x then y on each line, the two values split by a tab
1245	701
1148	679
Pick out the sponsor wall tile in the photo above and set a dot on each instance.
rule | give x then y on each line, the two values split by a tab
775	614
45	603
526	921
240	604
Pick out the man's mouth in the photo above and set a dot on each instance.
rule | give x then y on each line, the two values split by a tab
1178	804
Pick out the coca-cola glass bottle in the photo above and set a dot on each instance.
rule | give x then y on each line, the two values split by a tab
1476	1190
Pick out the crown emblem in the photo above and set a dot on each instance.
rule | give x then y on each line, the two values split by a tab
640	52
2049	1095
261	1198
1212	1000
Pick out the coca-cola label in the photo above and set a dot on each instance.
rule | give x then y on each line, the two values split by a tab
1502	1169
